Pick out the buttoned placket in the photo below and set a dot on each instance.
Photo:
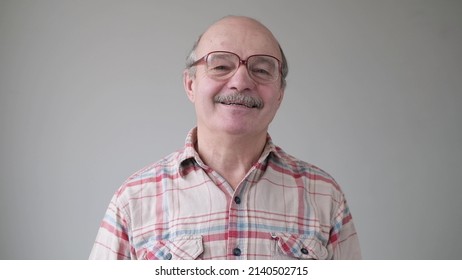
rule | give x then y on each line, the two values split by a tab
237	223
237	247
237	243
234	248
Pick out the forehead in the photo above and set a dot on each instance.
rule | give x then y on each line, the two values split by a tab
244	37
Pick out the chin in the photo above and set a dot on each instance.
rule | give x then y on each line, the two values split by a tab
241	130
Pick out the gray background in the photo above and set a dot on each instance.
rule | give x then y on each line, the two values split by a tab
91	91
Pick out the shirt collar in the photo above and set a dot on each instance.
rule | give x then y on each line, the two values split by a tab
189	154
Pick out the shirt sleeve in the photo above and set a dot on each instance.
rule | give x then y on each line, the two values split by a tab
343	241
112	240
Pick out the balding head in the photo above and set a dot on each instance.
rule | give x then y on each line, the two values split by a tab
242	35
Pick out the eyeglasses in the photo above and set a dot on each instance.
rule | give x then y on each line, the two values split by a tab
222	65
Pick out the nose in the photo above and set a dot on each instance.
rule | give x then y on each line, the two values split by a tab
241	80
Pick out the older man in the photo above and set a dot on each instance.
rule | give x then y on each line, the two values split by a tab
230	193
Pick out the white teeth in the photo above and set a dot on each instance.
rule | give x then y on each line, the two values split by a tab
238	104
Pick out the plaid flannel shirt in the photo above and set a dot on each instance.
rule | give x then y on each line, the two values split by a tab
179	208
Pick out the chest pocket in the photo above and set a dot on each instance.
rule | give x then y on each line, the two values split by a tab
180	248
292	246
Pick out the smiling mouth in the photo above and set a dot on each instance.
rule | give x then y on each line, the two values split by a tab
240	99
251	106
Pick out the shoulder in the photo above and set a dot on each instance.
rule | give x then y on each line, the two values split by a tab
150	175
298	168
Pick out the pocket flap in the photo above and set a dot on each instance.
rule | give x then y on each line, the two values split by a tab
180	248
301	246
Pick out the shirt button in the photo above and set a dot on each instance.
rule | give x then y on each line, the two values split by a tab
168	256
304	251
236	251
237	199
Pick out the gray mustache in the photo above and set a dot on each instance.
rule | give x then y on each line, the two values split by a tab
240	99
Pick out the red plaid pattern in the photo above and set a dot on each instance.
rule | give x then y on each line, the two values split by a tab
179	208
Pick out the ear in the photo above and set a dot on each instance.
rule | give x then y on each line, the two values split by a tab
188	85
281	95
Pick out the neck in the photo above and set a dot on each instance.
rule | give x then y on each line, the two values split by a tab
230	155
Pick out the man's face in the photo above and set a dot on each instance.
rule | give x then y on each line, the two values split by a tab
244	38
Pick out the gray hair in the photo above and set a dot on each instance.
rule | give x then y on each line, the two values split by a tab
191	58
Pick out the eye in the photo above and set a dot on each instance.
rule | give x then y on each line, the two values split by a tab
261	71
219	66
